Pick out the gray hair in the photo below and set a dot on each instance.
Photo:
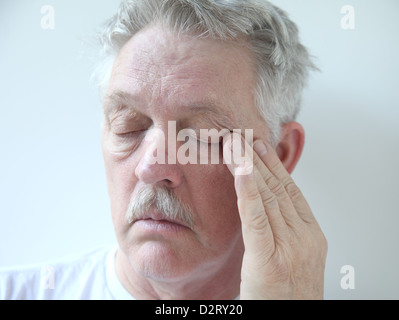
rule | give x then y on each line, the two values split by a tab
282	62
164	201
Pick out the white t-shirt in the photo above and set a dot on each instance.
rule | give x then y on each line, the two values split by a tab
89	277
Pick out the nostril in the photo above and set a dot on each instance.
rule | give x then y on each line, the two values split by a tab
169	175
169	183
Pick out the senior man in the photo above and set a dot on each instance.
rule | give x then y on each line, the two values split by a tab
188	229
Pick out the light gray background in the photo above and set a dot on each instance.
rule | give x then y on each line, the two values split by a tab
53	197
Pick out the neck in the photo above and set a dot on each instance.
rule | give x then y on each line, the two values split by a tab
214	283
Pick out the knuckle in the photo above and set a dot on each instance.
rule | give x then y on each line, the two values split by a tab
252	194
293	190
275	186
267	195
317	247
249	192
258	222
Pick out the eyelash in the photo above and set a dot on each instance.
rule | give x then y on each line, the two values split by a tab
128	135
133	134
210	143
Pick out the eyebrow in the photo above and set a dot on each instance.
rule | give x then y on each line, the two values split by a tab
120	100
117	101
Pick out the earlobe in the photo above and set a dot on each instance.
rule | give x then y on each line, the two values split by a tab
291	144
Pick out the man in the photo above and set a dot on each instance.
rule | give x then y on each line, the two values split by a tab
198	229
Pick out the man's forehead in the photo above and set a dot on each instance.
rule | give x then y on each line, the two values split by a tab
163	43
155	53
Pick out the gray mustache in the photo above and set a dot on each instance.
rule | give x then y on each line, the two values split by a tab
162	200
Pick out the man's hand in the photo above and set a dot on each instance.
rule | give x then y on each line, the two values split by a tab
285	249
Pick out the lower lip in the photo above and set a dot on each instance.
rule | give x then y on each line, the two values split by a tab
160	226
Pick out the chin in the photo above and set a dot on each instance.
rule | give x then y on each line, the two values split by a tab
161	262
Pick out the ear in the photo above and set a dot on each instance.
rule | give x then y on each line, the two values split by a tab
289	149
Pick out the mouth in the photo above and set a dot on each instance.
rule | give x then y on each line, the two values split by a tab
159	227
156	222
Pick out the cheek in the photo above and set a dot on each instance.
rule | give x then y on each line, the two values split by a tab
120	182
215	202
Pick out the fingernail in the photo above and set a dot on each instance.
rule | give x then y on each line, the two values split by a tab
260	148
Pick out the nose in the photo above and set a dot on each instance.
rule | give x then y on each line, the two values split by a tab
154	166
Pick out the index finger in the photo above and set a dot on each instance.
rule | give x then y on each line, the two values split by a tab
256	230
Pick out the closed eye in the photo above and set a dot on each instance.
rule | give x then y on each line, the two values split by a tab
213	138
129	134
